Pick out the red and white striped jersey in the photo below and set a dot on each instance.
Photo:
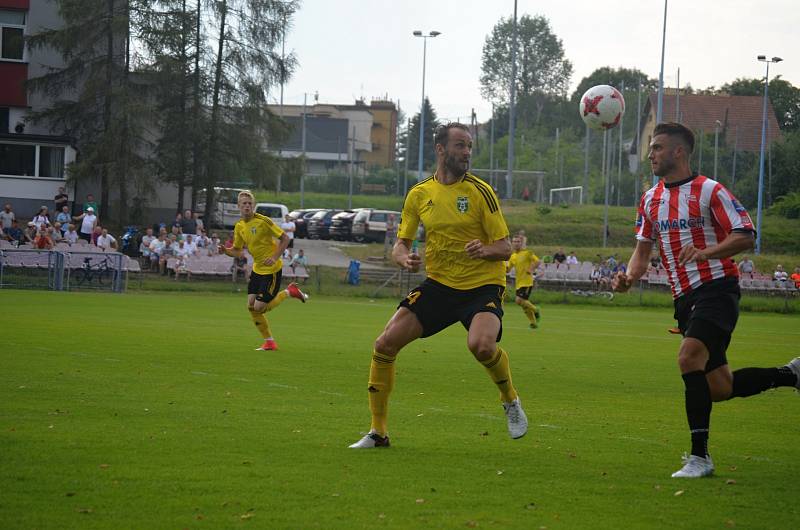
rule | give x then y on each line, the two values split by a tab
698	211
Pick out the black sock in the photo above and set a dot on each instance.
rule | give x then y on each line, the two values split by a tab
752	381
698	410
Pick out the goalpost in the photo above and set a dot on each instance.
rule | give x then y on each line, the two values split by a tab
567	195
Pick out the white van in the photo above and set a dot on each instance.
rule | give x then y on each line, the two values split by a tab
275	211
226	213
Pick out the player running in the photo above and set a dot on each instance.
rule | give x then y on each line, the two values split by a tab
524	263
259	234
466	244
699	225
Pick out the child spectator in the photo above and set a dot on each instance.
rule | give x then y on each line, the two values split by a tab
71	235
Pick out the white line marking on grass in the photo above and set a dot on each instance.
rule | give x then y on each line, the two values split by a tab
113	360
242	379
203	373
331	393
278	385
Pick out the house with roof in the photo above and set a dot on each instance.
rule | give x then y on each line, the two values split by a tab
739	119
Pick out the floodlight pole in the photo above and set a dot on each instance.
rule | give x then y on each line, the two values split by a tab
660	105
764	59
422	105
512	109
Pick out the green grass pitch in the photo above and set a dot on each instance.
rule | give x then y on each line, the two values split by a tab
154	411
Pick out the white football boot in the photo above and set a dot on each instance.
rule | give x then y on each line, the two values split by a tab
370	441
794	366
695	467
517	421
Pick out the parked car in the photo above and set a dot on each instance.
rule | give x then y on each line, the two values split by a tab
226	213
370	224
342	224
320	224
274	211
301	219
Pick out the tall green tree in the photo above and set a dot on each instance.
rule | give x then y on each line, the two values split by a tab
784	96
95	100
247	62
542	67
428	154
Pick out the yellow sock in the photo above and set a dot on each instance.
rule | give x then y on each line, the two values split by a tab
381	382
261	323
275	302
500	372
530	310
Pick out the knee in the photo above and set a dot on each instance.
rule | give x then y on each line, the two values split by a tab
692	356
482	349
385	346
518	300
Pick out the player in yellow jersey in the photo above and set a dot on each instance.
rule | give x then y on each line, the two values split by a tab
466	244
524	263
266	242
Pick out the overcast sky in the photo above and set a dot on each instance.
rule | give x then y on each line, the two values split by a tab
364	48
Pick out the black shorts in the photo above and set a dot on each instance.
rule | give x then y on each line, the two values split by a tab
709	314
524	292
291	243
437	306
264	286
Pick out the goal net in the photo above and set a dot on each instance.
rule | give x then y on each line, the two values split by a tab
571	195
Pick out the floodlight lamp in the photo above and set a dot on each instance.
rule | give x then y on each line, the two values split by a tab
435	33
776	59
760	57
417	33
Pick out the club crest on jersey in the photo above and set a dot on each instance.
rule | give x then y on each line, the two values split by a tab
253	230
462	203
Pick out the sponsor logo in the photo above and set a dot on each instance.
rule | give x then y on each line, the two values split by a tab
253	230
462	203
492	305
430	203
690	198
681	224
738	206
639	221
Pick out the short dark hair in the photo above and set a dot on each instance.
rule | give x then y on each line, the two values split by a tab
443	132
676	129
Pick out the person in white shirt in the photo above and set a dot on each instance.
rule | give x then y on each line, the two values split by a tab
106	241
88	221
213	246
71	235
191	245
156	249
572	259
41	219
64	218
182	254
780	276
289	227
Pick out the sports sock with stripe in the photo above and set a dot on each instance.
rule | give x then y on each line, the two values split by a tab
530	310
381	383
698	410
500	372
275	302
261	323
752	381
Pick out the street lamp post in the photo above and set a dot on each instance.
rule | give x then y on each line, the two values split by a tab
425	38
762	58
660	99
717	125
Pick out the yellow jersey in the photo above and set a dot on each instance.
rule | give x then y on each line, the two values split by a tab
453	215
523	262
258	235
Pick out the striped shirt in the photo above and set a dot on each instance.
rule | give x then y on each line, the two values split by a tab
697	211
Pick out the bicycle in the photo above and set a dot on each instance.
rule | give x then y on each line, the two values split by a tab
90	271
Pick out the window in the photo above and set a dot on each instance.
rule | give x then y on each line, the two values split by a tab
12	27
17	159
51	162
4	119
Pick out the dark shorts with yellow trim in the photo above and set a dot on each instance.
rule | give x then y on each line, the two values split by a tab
438	306
264	286
524	292
709	314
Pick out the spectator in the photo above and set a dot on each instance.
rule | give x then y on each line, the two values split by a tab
299	260
526	194
97	232
780	276
572	259
88	221
176	233
42	240
90	203
746	266
199	221
182	254
64	218
595	276
167	252
202	240
42	218
188	224
15	234
287	255
30	232
7	218
156	250
611	263
55	232
289	227
795	277
178	222
191	245
61	200
213	247
655	262
605	275
144	246
71	235
106	241
559	257
240	265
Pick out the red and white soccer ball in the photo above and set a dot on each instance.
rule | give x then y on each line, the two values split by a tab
602	107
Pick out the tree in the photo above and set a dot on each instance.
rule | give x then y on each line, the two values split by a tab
247	63
615	77
541	65
784	96
96	101
428	154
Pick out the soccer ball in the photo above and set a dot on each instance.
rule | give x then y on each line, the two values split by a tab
602	107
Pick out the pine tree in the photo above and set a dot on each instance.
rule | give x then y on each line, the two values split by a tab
428	154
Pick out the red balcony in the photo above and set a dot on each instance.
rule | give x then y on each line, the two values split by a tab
14	4
12	84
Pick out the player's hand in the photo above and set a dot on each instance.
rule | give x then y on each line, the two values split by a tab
690	253
222	249
270	261
413	262
474	249
621	282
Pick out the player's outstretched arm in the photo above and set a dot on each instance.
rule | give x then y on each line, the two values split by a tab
403	255
735	243
637	266
232	252
499	250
